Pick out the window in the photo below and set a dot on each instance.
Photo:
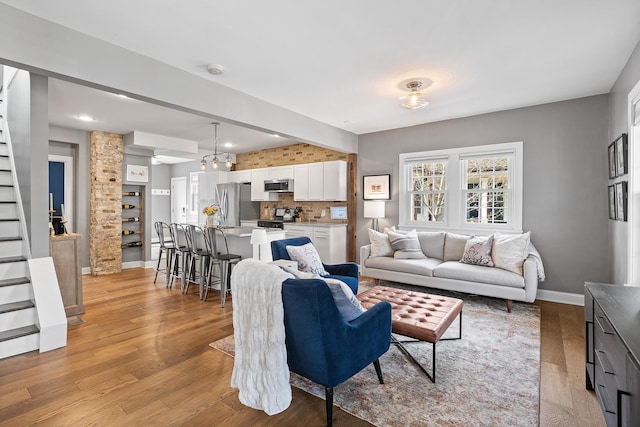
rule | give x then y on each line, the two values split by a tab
465	189
428	182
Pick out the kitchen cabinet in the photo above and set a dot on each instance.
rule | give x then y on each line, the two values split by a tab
335	180
329	240
280	172
203	186
316	181
252	224
320	181
239	176
258	176
301	182
612	351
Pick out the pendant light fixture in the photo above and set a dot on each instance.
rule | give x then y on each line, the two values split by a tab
215	161
414	100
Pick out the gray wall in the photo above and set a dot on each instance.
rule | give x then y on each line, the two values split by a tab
619	123
565	178
27	117
161	205
76	141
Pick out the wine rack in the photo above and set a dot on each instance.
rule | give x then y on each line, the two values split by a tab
132	221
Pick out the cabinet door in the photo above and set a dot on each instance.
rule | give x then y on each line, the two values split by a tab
280	172
298	231
335	180
322	243
301	182
316	181
258	176
630	400
240	176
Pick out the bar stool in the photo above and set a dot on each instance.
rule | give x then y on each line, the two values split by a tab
182	250
226	260
199	253
166	246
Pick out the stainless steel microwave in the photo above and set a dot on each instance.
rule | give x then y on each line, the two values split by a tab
278	185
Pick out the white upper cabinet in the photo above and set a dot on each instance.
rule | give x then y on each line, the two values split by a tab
280	172
240	176
258	176
316	181
320	181
335	180
301	182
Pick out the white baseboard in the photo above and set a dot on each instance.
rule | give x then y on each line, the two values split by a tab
86	270
127	265
561	297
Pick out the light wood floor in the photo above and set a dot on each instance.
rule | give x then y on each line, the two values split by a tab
142	358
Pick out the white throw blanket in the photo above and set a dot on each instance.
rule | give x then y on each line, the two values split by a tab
260	370
536	256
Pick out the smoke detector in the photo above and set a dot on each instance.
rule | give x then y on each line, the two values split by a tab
215	69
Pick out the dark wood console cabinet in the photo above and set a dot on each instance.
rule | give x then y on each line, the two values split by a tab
612	321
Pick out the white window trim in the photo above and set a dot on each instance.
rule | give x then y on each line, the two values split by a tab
455	201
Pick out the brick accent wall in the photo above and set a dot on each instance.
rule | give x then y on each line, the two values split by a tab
105	203
293	155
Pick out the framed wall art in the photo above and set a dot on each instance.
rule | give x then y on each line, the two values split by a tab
137	173
612	160
376	187
621	201
612	202
621	155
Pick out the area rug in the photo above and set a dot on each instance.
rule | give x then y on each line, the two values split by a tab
490	377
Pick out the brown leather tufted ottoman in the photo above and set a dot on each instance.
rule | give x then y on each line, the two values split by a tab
416	315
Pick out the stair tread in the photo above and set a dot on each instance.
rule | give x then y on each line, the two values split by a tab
15	281
8	219
18	332
15	306
7	201
6	185
10	239
12	259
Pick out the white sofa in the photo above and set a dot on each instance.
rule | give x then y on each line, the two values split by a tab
434	272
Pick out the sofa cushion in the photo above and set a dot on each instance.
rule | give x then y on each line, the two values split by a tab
432	243
422	267
510	250
477	251
405	242
454	246
408	255
475	273
307	258
380	245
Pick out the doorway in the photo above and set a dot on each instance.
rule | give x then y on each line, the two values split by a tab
61	188
179	199
633	195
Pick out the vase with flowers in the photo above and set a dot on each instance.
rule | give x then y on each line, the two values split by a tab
212	213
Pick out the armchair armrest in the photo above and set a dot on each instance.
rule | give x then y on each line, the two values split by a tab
346	269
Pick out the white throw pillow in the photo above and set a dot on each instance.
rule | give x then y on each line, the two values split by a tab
510	250
380	245
407	243
307	258
477	251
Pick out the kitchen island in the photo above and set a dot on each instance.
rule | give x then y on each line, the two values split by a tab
239	241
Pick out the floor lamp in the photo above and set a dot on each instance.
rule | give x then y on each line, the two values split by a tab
259	238
374	209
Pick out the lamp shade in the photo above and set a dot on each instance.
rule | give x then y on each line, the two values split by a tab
374	209
259	236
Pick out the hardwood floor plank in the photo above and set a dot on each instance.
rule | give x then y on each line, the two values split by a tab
142	358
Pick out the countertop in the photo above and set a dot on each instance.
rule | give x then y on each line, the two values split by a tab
246	231
316	224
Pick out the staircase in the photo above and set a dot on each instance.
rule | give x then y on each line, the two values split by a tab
18	316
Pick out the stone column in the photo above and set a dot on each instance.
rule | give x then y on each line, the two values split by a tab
105	206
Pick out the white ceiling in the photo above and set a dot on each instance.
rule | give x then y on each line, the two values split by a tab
345	62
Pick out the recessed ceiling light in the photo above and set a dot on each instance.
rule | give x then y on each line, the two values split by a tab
85	118
122	95
276	135
228	144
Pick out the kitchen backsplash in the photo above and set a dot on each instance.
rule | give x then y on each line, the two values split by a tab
312	210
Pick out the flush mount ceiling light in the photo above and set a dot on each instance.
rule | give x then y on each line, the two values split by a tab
215	161
215	69
414	100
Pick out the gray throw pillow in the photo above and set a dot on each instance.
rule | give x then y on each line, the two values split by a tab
432	243
406	242
454	246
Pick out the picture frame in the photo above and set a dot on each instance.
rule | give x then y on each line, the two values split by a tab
621	201
612	202
137	173
612	160
621	155
376	187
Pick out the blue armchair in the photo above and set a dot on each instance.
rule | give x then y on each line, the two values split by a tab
347	272
321	345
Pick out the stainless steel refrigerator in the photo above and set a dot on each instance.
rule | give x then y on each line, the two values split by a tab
235	203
